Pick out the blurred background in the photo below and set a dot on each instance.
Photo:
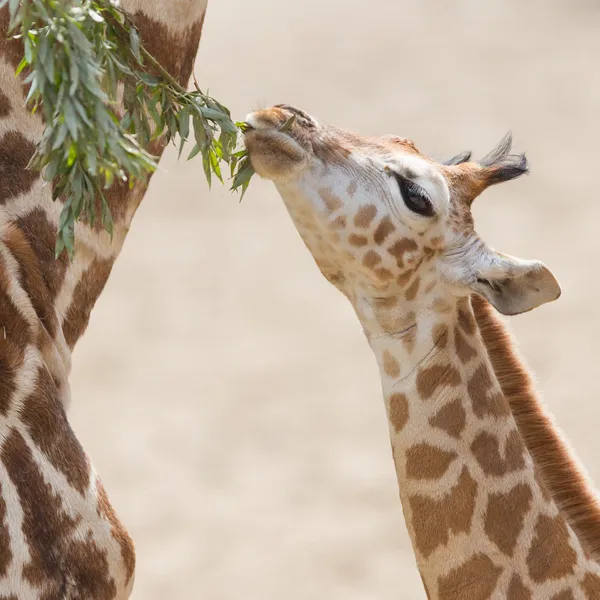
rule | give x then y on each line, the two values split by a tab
224	388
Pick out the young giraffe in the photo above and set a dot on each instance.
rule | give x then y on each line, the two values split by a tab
393	231
59	536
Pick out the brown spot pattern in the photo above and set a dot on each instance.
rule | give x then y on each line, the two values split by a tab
357	240
31	278
339	222
476	579
332	202
440	335
119	533
466	321
450	418
431	379
486	449
10	49
15	336
413	289
175	51
564	595
517	590
434	520
550	555
15	179
384	229
505	515
365	215
85	295
384	274
41	235
400	248
463	349
54	556
5	105
486	404
591	586
5	551
390	365
404	278
398	411
424	461
370	259
44	416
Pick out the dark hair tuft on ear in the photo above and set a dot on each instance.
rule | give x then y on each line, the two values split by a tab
500	165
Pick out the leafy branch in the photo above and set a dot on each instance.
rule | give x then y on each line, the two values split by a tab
83	60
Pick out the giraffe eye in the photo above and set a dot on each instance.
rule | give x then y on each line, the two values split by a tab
415	197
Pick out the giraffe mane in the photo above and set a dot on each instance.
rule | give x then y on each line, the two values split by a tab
565	479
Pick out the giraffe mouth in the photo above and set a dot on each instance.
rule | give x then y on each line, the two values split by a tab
274	153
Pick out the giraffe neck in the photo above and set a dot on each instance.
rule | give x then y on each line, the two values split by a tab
565	478
481	521
62	293
59	536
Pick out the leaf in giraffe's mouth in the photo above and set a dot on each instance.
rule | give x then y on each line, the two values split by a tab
288	124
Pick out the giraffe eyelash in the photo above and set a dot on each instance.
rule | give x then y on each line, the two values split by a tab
415	197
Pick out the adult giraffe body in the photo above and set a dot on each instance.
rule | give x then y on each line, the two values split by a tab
393	231
59	536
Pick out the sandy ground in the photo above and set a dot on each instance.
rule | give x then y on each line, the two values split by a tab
224	389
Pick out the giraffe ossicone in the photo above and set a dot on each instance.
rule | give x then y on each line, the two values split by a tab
393	231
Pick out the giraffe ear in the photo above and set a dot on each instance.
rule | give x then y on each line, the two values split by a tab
512	285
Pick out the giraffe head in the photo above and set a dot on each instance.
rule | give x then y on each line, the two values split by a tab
384	221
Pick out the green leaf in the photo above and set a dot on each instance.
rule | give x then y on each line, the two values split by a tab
206	165
195	151
214	163
243	176
149	80
199	132
13	6
134	40
52	167
288	124
21	66
76	57
184	122
95	16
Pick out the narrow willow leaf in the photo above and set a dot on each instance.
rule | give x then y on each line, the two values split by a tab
184	122
13	6
59	246
52	167
195	151
69	238
134	40
214	163
207	170
95	16
288	124
224	141
199	132
77	54
245	172
21	66
65	215
213	115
